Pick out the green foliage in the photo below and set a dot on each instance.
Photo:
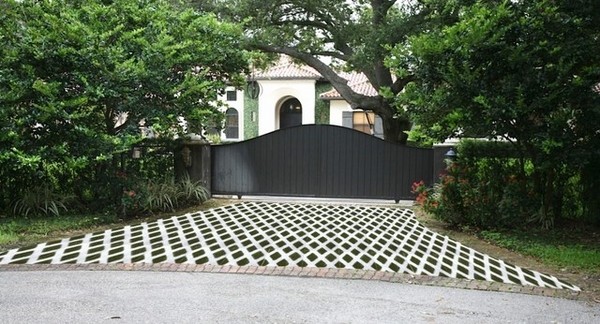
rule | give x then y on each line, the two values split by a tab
250	107
417	136
41	201
426	197
192	192
162	195
133	202
355	35
508	69
488	149
524	71
321	106
487	187
156	160
214	138
485	194
78	79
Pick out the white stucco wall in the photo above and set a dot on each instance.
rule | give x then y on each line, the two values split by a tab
336	107
274	92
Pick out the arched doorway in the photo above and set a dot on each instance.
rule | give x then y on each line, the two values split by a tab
290	113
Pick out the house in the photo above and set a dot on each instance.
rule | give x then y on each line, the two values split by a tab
288	94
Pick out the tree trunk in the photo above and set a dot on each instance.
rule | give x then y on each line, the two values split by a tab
395	128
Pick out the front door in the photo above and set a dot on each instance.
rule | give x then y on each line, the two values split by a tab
290	113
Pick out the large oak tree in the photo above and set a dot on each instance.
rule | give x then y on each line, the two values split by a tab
354	35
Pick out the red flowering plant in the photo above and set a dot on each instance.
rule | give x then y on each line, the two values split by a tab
426	198
444	199
132	198
132	202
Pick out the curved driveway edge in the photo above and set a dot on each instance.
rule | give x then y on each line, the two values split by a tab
351	274
196	297
288	235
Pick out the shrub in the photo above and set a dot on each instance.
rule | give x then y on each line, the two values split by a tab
192	192
488	190
163	195
491	185
427	198
40	201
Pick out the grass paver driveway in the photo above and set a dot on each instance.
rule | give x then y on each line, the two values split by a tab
283	234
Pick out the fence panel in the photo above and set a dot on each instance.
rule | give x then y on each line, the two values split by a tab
319	161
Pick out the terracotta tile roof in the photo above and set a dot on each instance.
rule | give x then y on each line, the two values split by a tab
357	81
285	69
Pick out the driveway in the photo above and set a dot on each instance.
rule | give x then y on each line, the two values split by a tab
387	239
183	297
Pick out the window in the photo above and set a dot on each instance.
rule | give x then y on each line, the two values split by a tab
231	123
231	95
363	121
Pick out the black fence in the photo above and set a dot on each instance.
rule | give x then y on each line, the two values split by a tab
319	161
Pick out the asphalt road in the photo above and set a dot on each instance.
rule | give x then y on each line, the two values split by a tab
179	297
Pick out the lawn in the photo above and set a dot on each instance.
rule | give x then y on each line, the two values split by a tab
25	231
574	249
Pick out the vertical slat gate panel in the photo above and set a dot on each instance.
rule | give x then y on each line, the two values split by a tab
319	160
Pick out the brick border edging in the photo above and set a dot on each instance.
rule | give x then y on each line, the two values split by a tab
331	273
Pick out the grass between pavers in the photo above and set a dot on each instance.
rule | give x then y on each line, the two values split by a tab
575	249
16	231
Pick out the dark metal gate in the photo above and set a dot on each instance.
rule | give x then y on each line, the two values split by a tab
319	161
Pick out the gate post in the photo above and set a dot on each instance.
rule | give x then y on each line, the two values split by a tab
192	158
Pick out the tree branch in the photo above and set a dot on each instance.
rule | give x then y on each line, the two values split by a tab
400	83
333	54
325	27
301	23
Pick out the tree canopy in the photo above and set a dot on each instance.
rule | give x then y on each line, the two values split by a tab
354	35
71	70
524	71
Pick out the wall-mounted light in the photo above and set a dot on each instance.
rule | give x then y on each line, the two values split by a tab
253	89
136	153
451	155
186	156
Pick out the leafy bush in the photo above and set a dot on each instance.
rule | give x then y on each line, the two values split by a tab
428	198
490	186
192	192
41	200
476	197
164	195
485	188
59	120
161	195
